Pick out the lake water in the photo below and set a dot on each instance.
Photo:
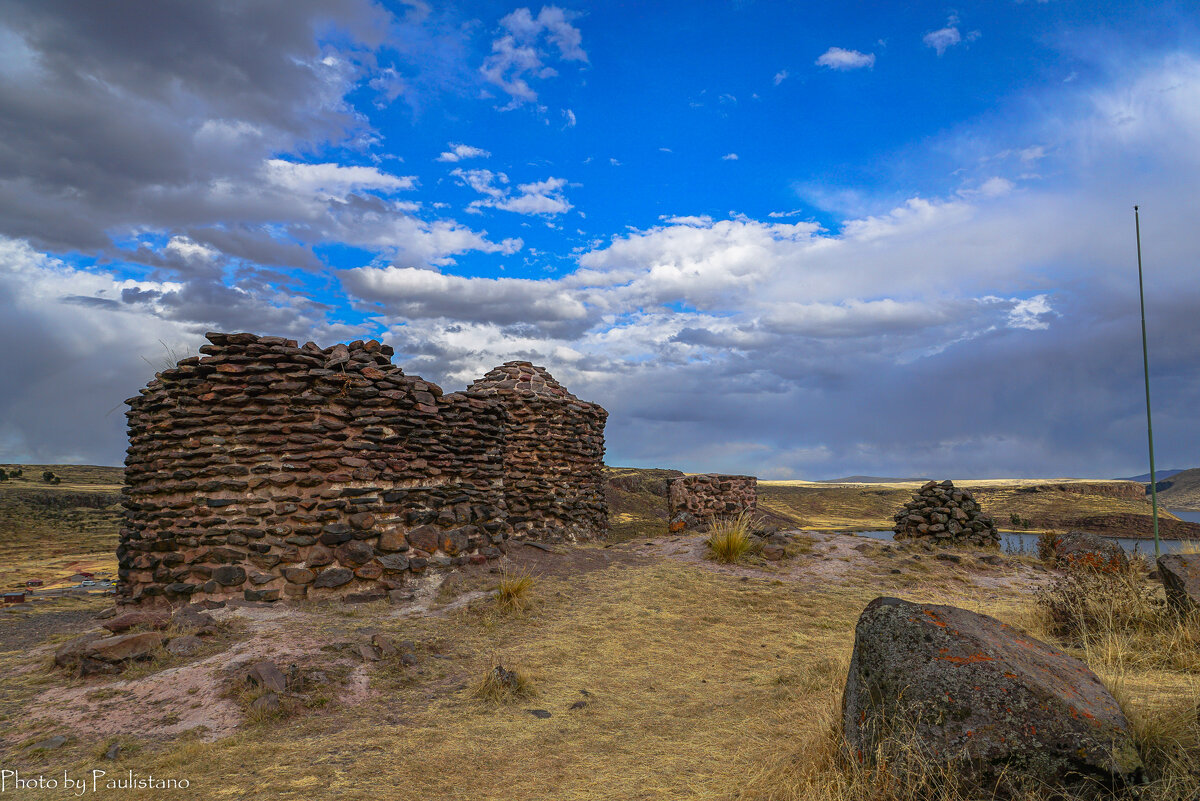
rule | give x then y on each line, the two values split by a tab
1017	541
1186	514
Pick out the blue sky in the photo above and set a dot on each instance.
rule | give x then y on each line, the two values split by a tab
776	238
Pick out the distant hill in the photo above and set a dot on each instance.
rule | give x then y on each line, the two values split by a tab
1144	478
1181	490
869	480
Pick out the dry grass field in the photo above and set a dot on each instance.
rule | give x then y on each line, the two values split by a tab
651	672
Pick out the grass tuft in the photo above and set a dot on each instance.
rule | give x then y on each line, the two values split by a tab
514	591
729	539
501	685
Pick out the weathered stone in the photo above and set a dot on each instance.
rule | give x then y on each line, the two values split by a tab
962	688
187	645
266	674
392	539
299	575
125	647
145	618
1180	575
394	563
425	538
333	577
353	553
69	654
1079	550
229	575
189	619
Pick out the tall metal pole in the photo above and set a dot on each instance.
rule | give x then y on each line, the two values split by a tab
1146	369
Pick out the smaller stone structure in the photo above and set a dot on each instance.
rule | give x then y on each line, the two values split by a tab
945	514
693	501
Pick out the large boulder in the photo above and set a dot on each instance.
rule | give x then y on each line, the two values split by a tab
1180	575
1078	550
964	690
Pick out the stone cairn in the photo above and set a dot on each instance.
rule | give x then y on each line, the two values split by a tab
266	470
694	501
553	455
943	514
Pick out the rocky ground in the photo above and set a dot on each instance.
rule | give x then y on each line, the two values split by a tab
646	670
602	617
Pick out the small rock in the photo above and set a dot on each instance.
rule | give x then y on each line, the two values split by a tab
58	741
366	652
127	620
949	557
189	619
1181	580
187	645
773	552
266	704
386	648
125	647
266	674
579	705
539	713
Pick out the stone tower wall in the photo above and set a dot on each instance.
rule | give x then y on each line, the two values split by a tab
266	470
554	455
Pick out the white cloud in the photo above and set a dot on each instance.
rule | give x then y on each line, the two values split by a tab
780	77
539	197
729	157
186	249
332	181
458	152
418	294
838	59
1031	314
944	38
519	55
570	116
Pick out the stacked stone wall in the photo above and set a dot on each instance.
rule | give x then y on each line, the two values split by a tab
695	500
553	457
265	470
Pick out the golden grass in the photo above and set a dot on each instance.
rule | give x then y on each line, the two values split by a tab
699	685
729	539
514	591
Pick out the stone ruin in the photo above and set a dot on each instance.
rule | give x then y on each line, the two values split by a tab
266	470
694	501
946	515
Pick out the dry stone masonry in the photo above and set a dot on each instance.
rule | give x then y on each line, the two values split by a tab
553	454
944	514
694	501
265	470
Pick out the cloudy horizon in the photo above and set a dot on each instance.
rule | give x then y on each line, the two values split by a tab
769	240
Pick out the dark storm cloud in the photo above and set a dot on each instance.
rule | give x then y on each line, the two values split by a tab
107	107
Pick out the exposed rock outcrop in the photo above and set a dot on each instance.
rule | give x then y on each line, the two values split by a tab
1079	550
961	689
1181	579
